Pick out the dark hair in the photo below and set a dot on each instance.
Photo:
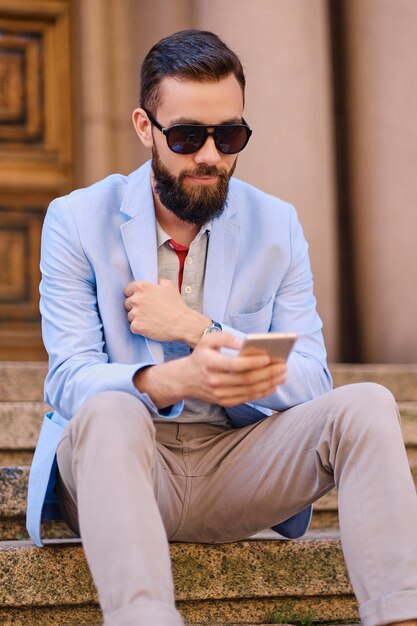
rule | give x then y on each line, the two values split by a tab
194	54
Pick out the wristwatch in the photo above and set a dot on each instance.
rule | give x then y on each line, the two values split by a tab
214	328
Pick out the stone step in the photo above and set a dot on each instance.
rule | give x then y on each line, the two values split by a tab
23	381
20	423
13	495
253	581
400	379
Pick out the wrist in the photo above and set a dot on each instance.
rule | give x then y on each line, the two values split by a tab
195	325
163	383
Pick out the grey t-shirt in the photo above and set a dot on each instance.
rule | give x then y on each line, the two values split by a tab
192	293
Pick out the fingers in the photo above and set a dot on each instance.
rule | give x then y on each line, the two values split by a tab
226	388
132	289
140	285
136	286
129	290
236	394
233	363
230	380
146	288
273	374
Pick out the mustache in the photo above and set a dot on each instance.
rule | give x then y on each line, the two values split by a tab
204	170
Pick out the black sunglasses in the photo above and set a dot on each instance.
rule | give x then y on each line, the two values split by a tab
189	138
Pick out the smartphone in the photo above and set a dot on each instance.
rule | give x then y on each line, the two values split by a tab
277	345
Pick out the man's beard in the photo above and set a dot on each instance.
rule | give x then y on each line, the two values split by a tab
197	205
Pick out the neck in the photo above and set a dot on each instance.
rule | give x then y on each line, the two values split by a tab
181	232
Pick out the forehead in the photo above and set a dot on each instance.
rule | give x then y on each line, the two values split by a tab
208	102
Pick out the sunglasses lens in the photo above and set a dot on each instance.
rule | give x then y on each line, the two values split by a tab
231	139
186	139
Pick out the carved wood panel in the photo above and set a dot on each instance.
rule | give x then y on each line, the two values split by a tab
19	261
21	106
36	160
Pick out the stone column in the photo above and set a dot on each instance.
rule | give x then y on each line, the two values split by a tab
381	48
284	46
111	38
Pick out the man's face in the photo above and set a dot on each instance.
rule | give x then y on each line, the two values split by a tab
194	186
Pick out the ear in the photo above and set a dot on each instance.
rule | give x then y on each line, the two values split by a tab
143	127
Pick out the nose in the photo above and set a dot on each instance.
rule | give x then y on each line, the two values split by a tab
208	153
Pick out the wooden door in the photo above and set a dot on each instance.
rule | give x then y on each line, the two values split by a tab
36	156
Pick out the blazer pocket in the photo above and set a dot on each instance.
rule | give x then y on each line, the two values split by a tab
255	322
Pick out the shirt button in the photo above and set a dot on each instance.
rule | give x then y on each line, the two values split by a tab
189	260
188	289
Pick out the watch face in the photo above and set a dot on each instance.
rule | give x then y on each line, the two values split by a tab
214	328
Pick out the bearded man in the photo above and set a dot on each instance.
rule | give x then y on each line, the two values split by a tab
158	431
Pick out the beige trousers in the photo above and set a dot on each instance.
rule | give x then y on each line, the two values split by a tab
127	486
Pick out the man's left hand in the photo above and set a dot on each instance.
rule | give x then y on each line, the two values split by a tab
159	312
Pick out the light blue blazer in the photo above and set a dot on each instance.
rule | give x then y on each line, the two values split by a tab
97	240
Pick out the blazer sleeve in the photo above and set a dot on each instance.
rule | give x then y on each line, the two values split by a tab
294	310
71	326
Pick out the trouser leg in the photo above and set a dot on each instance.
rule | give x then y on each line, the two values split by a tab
349	437
377	502
107	464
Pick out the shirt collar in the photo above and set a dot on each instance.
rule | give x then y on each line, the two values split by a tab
162	237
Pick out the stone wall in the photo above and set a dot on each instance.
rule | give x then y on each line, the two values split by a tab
332	102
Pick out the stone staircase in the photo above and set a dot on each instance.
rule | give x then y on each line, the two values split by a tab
262	580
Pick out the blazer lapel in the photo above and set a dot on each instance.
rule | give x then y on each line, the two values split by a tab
139	232
221	261
139	236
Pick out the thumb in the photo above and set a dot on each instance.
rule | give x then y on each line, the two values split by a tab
222	340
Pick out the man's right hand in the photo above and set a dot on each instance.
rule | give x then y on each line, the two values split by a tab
212	376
